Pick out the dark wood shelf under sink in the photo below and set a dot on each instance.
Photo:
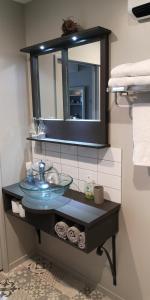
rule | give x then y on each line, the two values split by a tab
98	222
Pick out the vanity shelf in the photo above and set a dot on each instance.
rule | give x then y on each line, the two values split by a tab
98	222
77	143
82	37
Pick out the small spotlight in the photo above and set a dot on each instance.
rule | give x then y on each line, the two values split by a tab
81	41
74	38
48	49
42	47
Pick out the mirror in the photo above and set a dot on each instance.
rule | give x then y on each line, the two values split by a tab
84	82
83	101
69	77
50	86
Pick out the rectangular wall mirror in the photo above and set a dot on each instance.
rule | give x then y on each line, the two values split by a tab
84	82
50	85
69	77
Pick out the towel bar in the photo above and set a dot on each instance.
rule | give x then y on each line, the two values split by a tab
130	92
132	88
122	105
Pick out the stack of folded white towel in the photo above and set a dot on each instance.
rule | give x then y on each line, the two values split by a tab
135	74
73	234
131	74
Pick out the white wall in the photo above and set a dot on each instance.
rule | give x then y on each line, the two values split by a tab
13	120
50	75
129	42
13	92
89	53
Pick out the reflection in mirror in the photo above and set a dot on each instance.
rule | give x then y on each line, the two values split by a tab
50	82
84	82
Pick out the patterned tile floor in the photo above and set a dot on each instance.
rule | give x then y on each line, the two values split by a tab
39	279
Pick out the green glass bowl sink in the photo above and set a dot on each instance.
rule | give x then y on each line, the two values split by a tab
40	195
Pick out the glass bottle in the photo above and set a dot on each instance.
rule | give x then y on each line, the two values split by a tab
89	189
41	129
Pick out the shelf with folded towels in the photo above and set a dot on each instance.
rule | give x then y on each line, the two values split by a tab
70	232
129	80
78	222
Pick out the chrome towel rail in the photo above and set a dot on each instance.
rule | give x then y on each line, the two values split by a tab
129	92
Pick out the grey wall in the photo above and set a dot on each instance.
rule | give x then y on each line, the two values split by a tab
13	91
13	122
129	42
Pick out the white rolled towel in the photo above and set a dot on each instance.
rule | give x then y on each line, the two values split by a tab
81	241
15	206
73	234
140	68
129	81
61	229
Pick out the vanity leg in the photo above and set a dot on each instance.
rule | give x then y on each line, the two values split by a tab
38	231
112	260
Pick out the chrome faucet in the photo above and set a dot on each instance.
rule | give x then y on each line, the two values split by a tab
42	171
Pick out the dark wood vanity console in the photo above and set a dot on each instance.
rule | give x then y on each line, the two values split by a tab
98	222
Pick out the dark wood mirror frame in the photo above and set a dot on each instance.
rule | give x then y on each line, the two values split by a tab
85	133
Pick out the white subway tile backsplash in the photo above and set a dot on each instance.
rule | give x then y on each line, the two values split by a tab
74	185
43	148
87	152
35	160
37	148
69	160
102	166
109	193
52	156
69	149
112	194
72	171
109	167
87	175
87	163
81	185
112	154
37	145
109	180
38	156
57	166
52	147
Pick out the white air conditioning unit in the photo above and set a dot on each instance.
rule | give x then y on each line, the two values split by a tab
140	9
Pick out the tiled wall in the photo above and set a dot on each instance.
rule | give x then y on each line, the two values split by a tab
101	165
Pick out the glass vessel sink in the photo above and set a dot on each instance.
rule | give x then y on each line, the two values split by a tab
42	189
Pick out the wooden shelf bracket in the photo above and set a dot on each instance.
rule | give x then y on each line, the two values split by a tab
112	260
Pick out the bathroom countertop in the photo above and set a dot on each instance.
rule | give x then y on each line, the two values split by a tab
72	205
99	222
